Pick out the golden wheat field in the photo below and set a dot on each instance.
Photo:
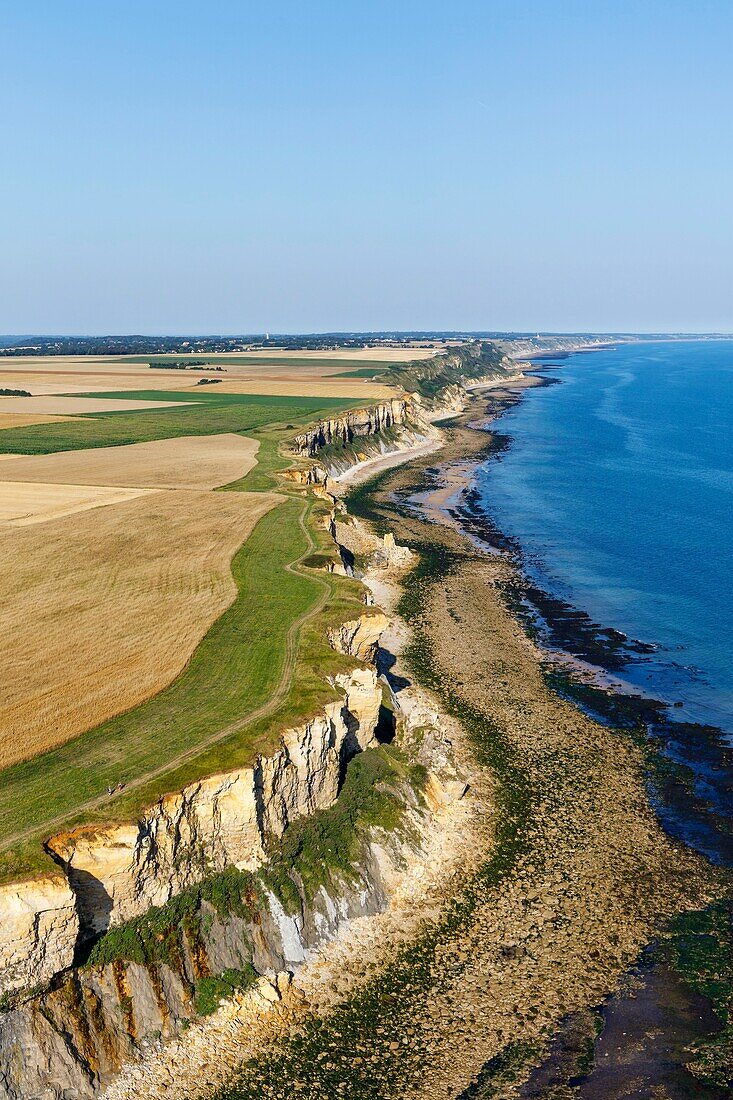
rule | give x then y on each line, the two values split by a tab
26	420
69	407
286	372
105	607
23	503
186	462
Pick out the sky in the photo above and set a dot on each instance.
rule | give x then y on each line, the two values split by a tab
171	166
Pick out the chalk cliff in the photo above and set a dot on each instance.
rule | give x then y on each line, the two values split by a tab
353	424
224	820
39	927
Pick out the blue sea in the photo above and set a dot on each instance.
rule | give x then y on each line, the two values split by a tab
618	486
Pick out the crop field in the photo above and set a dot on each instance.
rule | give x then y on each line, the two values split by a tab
24	420
23	503
153	640
193	462
283	373
290	385
203	414
105	608
213	716
55	405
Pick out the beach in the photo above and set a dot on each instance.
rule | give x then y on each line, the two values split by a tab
577	876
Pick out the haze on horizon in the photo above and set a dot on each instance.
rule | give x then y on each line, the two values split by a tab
551	166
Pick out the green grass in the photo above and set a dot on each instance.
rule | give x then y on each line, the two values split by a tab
234	670
210	992
325	846
207	414
362	372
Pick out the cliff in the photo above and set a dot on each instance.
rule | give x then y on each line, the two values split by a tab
433	388
149	923
74	1039
341	430
112	874
142	982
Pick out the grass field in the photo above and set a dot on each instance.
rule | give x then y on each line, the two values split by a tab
175	737
207	414
262	665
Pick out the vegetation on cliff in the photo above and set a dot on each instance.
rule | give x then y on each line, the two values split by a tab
455	367
322	850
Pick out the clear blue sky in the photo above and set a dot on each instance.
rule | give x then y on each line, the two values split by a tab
232	166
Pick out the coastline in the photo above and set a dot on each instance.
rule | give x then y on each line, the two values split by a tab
596	686
531	935
580	878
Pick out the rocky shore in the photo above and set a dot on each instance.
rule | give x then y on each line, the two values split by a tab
541	888
576	875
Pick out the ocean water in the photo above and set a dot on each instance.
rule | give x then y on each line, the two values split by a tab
618	485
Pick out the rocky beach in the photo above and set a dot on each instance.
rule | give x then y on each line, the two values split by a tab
557	879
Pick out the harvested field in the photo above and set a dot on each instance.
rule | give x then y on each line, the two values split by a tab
106	609
23	503
68	407
48	375
185	462
295	384
24	420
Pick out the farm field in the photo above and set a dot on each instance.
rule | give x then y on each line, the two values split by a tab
203	414
272	372
24	420
53	405
245	681
104	609
23	503
186	462
159	642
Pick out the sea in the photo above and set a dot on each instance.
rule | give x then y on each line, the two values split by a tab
617	484
612	482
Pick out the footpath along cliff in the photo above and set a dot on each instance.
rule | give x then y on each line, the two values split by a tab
141	927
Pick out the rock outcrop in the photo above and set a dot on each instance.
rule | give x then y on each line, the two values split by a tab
359	637
38	931
359	422
73	1040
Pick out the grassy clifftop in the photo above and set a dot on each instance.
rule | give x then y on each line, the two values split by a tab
429	377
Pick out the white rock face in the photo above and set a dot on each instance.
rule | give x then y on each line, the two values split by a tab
359	637
119	872
38	931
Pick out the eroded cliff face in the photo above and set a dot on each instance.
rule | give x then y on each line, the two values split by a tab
360	637
224	820
349	426
39	927
73	1040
